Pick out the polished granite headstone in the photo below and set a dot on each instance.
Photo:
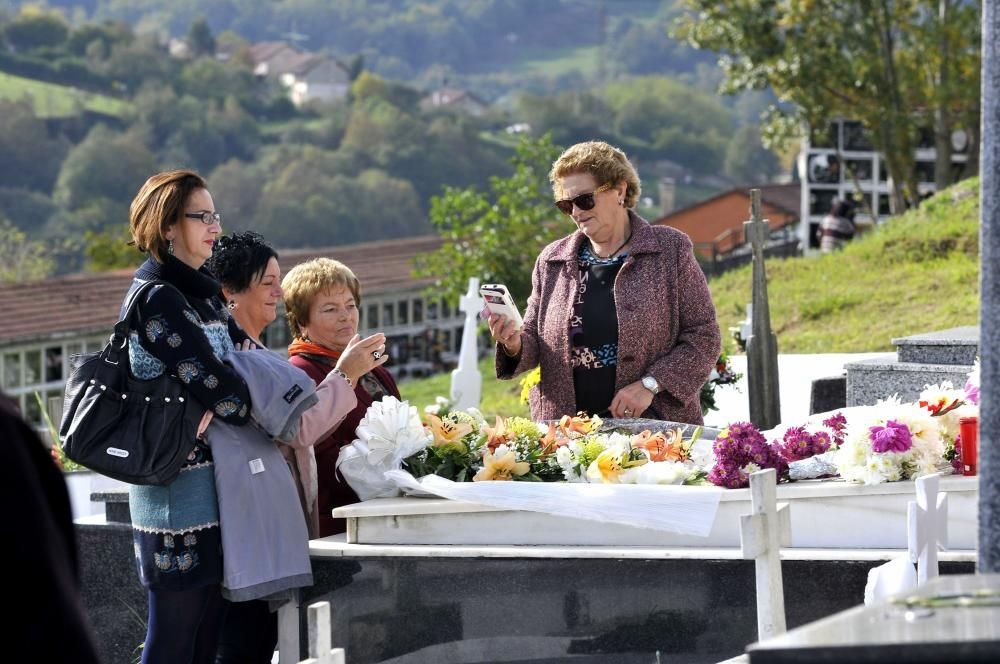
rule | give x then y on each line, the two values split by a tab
950	619
448	610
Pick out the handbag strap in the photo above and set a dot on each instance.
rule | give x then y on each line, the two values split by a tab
119	337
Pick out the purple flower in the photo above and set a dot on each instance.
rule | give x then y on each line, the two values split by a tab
821	442
956	460
740	445
972	393
836	423
893	437
800	444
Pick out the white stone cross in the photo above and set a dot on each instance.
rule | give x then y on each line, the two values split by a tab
319	637
466	381
762	534
288	631
927	526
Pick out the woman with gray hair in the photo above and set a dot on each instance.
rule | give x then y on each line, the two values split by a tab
620	318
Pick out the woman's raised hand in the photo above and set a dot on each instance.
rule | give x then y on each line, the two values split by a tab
506	332
362	355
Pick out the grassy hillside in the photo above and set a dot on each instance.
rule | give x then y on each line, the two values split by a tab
57	101
916	273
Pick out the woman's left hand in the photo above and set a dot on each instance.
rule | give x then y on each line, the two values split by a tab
631	401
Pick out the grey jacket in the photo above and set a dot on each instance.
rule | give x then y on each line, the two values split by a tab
265	540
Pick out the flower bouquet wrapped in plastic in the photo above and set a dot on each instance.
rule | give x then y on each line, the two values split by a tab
390	432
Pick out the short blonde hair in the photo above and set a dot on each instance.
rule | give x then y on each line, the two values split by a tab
307	280
605	162
158	206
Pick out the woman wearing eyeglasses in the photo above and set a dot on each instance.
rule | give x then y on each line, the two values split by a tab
620	317
182	329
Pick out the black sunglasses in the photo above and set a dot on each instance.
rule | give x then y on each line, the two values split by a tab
583	201
206	218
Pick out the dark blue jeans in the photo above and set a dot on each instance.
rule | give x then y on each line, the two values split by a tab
183	626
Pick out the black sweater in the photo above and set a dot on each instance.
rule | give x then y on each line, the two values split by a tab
186	331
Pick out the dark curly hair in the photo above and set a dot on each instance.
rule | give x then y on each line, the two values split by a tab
240	259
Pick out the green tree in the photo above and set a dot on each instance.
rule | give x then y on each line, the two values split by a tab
496	236
200	39
21	259
236	188
31	157
105	165
870	60
110	250
35	28
747	160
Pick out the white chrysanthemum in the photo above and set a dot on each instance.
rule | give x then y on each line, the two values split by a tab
391	431
564	457
616	439
661	472
923	427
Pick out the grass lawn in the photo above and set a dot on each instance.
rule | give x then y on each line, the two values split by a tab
556	62
57	101
500	397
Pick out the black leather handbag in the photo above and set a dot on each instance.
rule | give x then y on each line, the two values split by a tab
137	431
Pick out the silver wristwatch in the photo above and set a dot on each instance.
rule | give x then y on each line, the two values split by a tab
650	384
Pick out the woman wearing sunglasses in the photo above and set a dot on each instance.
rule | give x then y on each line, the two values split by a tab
620	318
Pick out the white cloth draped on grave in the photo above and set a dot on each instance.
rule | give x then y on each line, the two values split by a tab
686	510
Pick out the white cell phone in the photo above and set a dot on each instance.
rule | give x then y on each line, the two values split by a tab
499	301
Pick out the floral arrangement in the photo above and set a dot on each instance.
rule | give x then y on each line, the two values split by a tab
721	375
460	445
890	441
898	441
741	450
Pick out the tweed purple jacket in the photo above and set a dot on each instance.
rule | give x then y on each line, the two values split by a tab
666	324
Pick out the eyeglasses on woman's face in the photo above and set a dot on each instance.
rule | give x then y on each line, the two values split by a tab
583	201
205	217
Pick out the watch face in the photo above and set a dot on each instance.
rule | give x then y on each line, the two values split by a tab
650	383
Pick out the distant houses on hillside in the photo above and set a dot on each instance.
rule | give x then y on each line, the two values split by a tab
455	99
307	76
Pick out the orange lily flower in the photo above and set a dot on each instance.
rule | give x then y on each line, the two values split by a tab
498	435
448	433
580	424
550	442
663	446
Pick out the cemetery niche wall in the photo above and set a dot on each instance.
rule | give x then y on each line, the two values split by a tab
843	165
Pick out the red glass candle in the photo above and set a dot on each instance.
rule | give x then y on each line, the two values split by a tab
969	430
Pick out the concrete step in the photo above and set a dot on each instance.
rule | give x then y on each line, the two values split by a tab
871	380
956	346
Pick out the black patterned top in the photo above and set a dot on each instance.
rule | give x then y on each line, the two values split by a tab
185	330
594	332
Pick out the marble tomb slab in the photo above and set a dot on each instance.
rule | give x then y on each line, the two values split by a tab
825	514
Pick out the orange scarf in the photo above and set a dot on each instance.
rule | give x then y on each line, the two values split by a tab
308	347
